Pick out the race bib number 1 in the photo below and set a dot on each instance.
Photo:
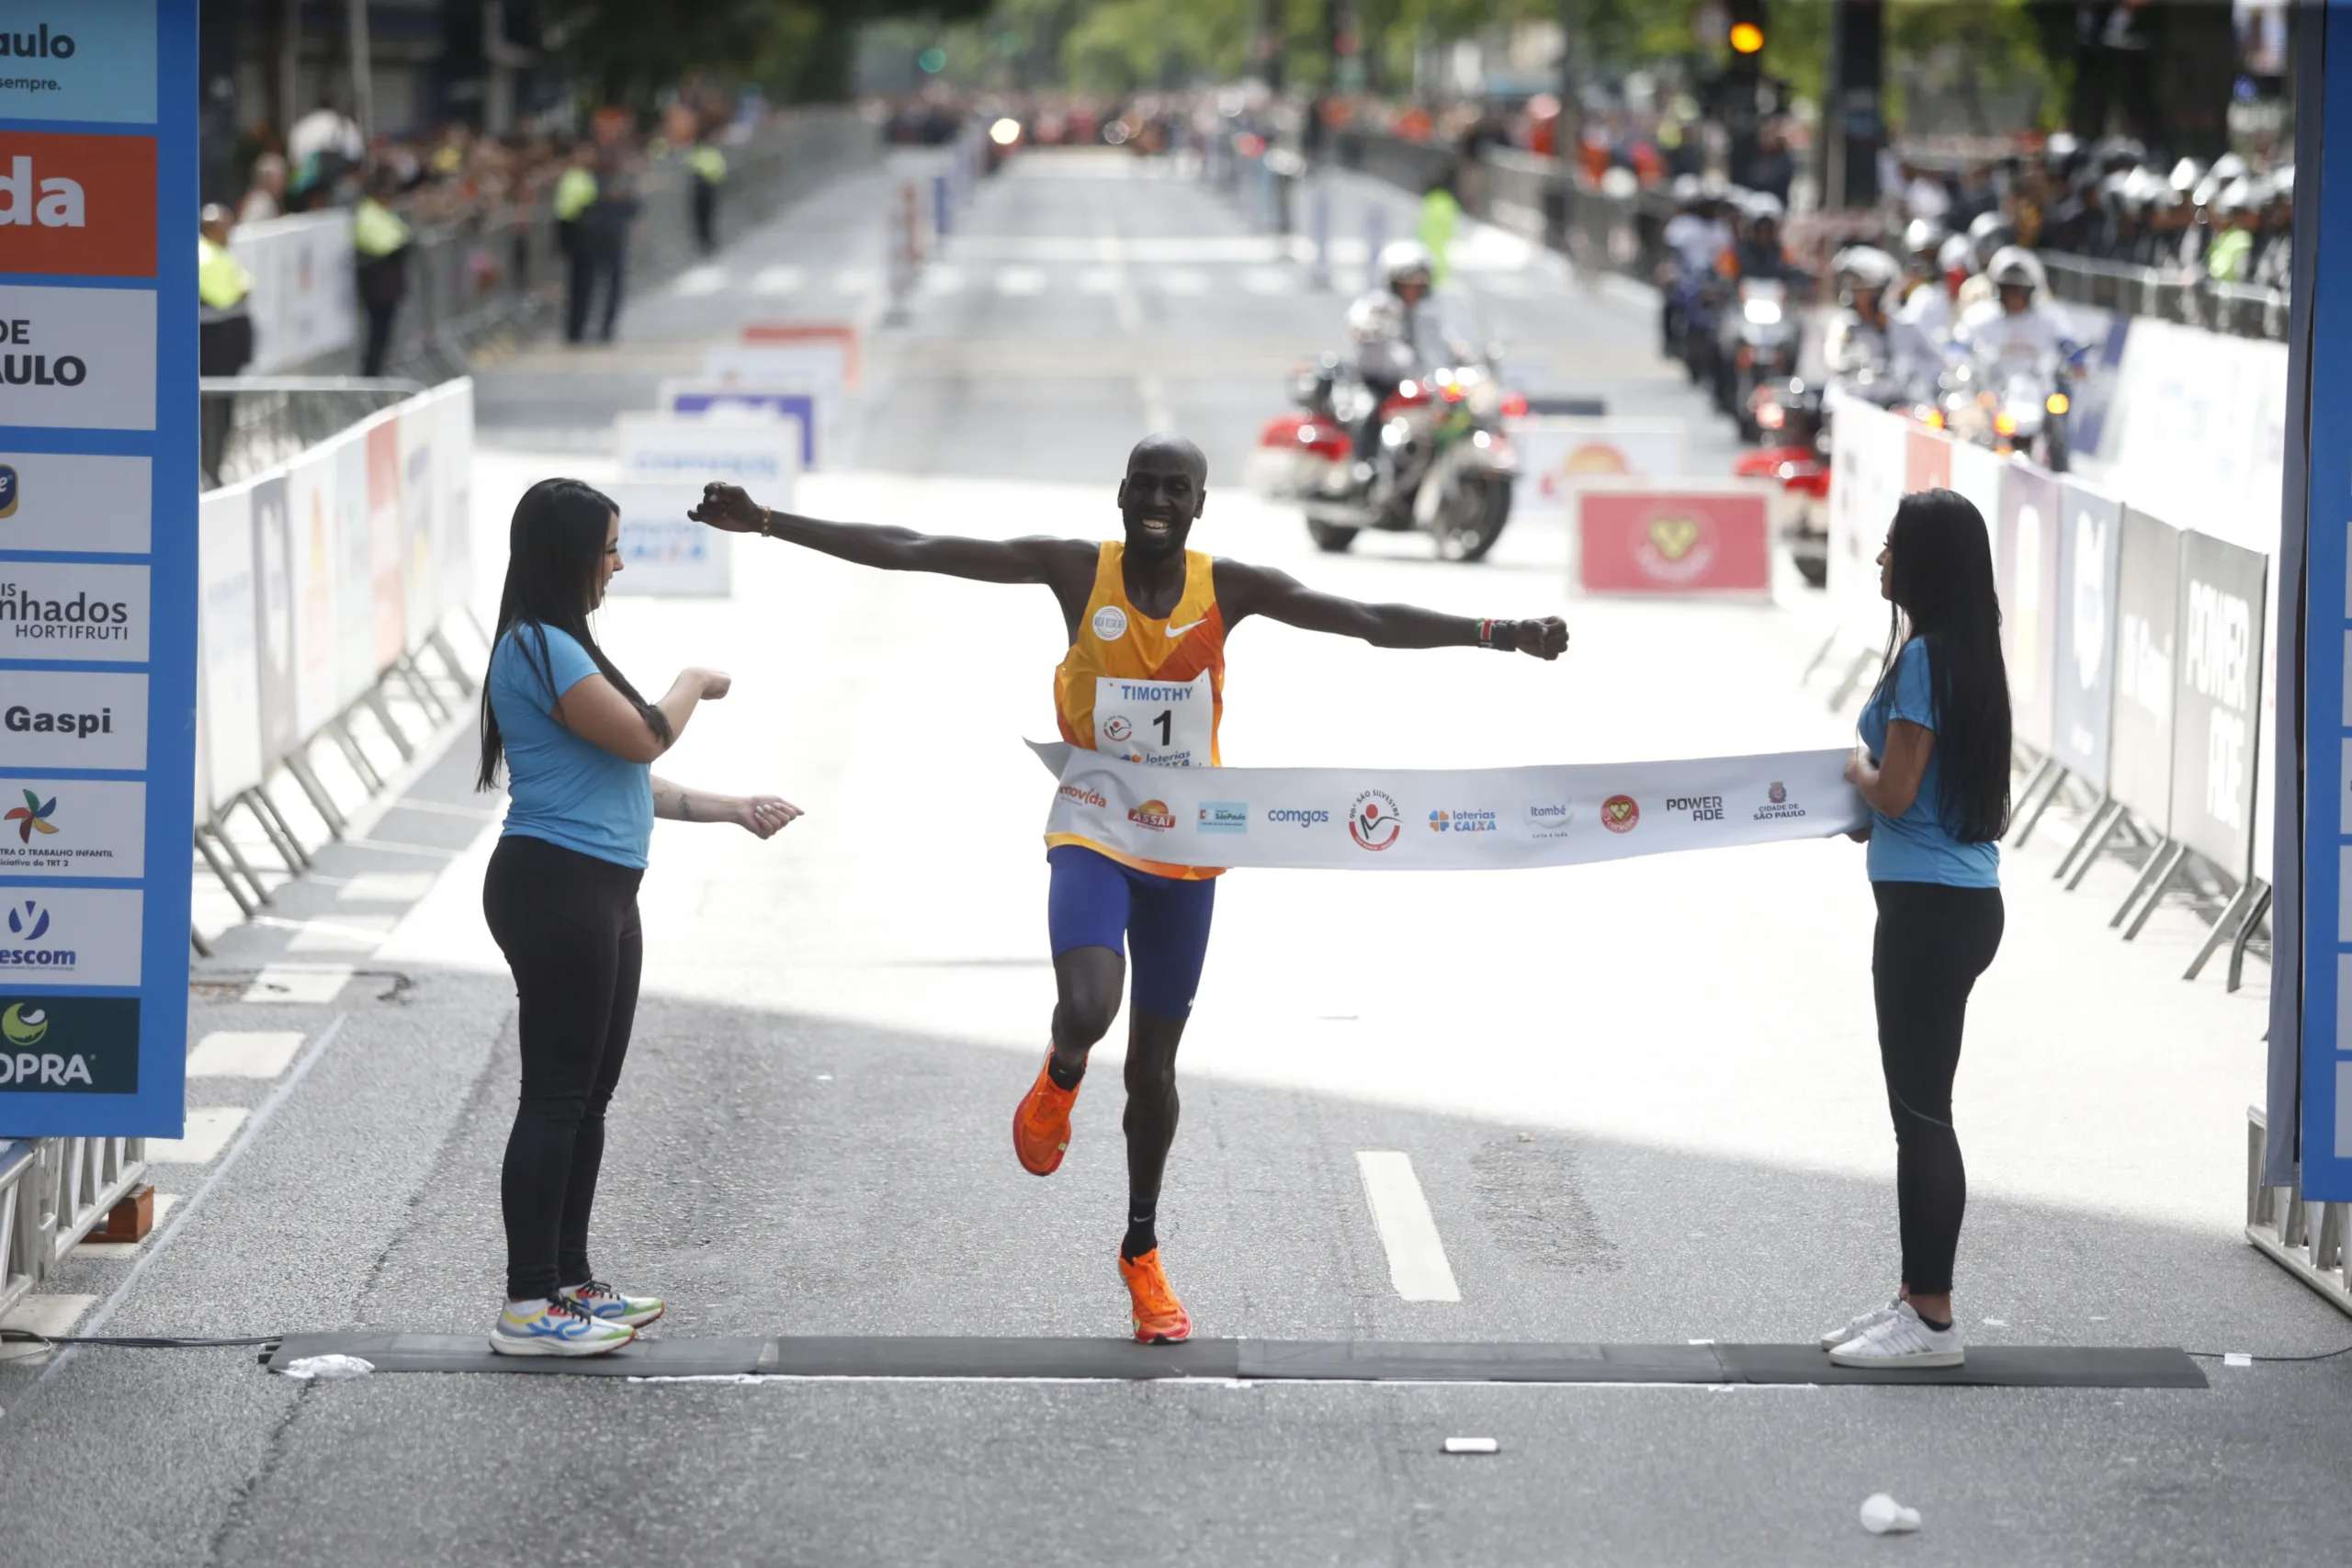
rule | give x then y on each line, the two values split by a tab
1167	724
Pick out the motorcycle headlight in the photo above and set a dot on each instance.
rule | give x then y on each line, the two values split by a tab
2056	403
1763	312
1484	399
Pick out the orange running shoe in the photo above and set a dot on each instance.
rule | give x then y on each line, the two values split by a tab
1160	1317
1041	1124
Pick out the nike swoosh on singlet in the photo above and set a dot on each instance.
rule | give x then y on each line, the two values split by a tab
1188	626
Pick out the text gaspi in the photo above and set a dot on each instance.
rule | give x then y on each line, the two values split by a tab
22	720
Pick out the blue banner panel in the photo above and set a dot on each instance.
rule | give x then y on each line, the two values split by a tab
2327	823
97	658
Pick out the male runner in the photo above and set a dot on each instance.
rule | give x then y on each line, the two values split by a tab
1143	679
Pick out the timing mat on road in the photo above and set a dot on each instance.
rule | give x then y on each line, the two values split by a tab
1304	1361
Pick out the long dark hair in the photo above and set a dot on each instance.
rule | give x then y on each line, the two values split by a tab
1942	587
553	548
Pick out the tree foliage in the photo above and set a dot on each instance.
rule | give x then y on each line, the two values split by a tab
797	50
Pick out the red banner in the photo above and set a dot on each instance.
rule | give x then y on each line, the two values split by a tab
1668	541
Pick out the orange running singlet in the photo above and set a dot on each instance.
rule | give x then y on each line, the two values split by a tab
1151	691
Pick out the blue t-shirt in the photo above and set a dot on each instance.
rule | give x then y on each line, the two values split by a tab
1916	846
561	788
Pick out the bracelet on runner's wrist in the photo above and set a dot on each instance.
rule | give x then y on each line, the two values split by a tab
1501	636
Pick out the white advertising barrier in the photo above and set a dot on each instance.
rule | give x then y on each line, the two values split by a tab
662	551
454	406
1483	818
315	518
757	449
230	676
421	522
1556	453
730	400
303	302
2198	431
820	366
1865	483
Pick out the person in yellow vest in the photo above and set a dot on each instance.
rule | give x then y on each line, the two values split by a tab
1147	621
1441	216
709	166
575	193
224	334
379	242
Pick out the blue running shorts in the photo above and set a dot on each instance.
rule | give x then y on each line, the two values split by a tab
1097	902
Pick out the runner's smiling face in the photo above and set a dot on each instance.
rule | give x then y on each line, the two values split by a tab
1161	498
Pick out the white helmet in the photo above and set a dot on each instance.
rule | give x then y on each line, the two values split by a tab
1867	267
1954	254
1400	259
2014	267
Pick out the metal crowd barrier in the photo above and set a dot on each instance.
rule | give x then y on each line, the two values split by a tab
2170	294
273	418
54	1191
2307	1239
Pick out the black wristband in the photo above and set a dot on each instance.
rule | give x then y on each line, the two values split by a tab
1501	636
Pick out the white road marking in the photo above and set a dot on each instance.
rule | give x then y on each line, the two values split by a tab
243	1053
353	933
313	983
942	280
1269	280
1021	280
209	1128
42	1315
1100	281
856	280
385	887
1400	1213
164	1202
705	279
778	280
1183	280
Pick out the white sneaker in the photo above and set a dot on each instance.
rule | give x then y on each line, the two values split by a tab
1903	1340
606	1305
555	1327
1859	1326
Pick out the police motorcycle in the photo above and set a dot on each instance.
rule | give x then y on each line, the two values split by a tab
2009	371
1759	330
1385	439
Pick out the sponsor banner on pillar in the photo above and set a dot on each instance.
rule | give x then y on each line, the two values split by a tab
53	826
662	552
2027	580
69	936
2217	681
2090	538
1673	539
77	358
72	718
1926	459
2147	605
230	665
1865	482
69	1044
72	610
76	205
67	502
79	59
1556	454
1398	819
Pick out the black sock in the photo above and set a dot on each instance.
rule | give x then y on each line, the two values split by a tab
1143	1235
1940	1326
1063	1079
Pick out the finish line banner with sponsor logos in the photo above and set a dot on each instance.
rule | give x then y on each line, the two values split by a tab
1446	820
98	564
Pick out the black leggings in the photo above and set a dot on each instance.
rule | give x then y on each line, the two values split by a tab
1932	944
568	925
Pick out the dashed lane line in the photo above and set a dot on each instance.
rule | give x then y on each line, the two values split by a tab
1400	1213
243	1053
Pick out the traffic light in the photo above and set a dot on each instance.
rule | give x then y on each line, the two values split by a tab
1746	34
1746	38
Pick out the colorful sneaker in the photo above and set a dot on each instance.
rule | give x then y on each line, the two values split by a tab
1903	1341
1160	1317
1041	1124
606	1305
1861	1325
555	1328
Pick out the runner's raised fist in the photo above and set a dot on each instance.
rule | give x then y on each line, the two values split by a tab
1547	638
727	507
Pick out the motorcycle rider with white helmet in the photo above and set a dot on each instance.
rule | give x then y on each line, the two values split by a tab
1923	324
1859	349
2014	329
1393	341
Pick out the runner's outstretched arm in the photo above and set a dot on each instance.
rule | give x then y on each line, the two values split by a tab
1055	563
1262	590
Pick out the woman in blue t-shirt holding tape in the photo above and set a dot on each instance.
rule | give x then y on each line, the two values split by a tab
578	743
1934	766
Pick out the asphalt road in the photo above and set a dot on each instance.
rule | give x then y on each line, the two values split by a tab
1641	1099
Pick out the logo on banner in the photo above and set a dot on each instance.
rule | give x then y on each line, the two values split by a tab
1293	816
33	817
1223	816
28	617
1698	808
9	488
1078	794
29	922
78	204
1777	806
71	1044
1110	623
1621	814
1374	821
1153	814
22	720
1475	820
1549	818
1674	548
